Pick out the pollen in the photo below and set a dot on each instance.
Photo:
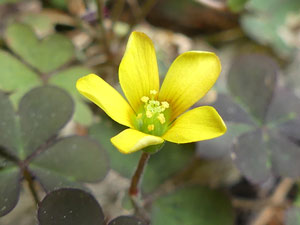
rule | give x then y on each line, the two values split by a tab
153	92
165	104
153	115
161	118
149	114
145	99
151	127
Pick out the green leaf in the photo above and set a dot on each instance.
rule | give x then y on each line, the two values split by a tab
45	55
252	156
50	180
3	161
40	22
9	133
83	114
67	80
9	189
236	5
8	1
103	132
76	159
292	216
193	206
252	25
70	207
253	72
15	77
167	162
60	4
272	17
275	5
43	112
156	171
126	220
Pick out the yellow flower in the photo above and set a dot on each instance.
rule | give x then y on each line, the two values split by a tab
153	113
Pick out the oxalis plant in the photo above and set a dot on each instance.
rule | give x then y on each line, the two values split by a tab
155	114
33	150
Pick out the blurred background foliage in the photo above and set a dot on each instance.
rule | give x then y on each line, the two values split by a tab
52	138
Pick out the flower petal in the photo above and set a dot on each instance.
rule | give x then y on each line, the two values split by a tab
130	140
106	97
138	72
189	78
198	124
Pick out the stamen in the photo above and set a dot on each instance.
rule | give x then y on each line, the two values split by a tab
165	104
153	92
149	114
151	127
161	118
149	107
145	99
152	116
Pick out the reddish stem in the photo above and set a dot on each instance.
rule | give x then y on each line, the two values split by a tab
136	178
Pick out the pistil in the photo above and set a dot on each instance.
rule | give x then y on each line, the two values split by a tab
153	116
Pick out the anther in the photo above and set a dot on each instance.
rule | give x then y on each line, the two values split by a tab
161	118
165	104
149	114
151	127
153	92
145	99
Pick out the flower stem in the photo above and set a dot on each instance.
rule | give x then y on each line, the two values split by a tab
134	191
136	178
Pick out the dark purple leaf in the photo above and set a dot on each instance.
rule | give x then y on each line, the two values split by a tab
70	207
252	156
126	220
251	80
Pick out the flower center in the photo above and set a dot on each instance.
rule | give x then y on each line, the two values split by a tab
153	116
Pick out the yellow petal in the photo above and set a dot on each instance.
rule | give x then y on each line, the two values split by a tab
138	72
106	97
189	78
198	124
130	140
